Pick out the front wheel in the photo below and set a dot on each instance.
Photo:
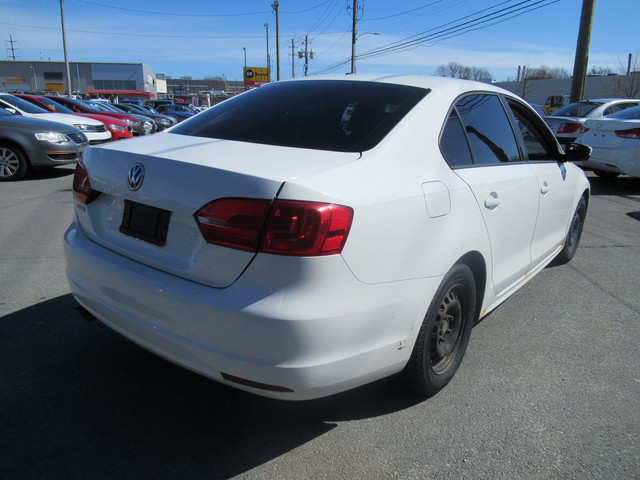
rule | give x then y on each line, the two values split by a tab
444	334
13	164
573	237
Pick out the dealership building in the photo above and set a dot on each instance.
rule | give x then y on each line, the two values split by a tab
101	79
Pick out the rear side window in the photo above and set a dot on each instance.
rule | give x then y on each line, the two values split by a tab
578	109
618	107
488	129
629	113
344	116
453	143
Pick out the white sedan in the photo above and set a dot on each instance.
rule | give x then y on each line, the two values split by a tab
567	122
311	236
615	141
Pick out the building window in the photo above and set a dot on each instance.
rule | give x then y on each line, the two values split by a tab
114	84
52	75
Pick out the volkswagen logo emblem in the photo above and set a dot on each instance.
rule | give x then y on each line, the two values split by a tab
136	176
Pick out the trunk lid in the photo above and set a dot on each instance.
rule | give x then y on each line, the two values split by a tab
602	132
181	175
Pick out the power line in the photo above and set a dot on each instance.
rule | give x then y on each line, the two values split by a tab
458	29
421	38
175	14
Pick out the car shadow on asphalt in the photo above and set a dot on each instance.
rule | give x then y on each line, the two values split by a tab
80	401
621	185
48	173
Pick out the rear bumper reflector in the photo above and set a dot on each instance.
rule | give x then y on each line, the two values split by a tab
251	383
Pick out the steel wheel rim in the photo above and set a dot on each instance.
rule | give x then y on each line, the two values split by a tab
447	331
575	230
9	163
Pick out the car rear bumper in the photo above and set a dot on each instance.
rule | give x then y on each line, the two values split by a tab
289	328
620	160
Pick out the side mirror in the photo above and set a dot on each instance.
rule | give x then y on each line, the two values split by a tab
577	152
12	110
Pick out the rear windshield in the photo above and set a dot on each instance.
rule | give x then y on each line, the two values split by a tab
579	109
344	116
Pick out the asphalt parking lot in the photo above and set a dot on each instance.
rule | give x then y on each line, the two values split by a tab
549	387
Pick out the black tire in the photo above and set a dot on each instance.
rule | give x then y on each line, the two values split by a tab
605	174
444	335
573	237
13	164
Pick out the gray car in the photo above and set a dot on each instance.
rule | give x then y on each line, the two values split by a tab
163	121
30	143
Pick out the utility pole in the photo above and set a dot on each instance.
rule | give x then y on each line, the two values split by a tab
293	59
306	55
64	46
582	50
353	37
276	6
13	49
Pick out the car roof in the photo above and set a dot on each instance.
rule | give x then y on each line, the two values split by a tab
608	100
421	81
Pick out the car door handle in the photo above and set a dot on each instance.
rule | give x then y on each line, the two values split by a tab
545	188
492	201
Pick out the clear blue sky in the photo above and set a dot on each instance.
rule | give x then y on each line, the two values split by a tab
201	38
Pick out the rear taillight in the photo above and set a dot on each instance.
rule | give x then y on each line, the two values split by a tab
82	186
307	228
286	228
569	127
632	133
233	222
584	129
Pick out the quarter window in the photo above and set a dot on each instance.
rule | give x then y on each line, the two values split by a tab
453	143
488	129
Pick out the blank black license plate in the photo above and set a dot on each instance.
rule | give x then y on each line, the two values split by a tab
144	222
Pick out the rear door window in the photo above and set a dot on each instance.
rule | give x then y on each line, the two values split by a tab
488	129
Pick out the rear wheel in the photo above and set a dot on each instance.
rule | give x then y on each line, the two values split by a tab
573	237
13	164
444	334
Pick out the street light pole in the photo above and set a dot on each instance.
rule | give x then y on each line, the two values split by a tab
276	6
64	46
353	60
266	26
245	56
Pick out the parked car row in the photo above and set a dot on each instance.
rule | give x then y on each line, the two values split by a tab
85	123
610	126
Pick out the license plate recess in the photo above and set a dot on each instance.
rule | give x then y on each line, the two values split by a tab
144	222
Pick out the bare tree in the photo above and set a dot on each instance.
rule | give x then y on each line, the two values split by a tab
543	72
628	86
451	69
598	70
457	70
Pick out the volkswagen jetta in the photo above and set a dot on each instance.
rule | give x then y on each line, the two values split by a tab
311	236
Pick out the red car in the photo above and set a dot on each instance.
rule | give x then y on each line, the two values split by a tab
119	129
94	109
